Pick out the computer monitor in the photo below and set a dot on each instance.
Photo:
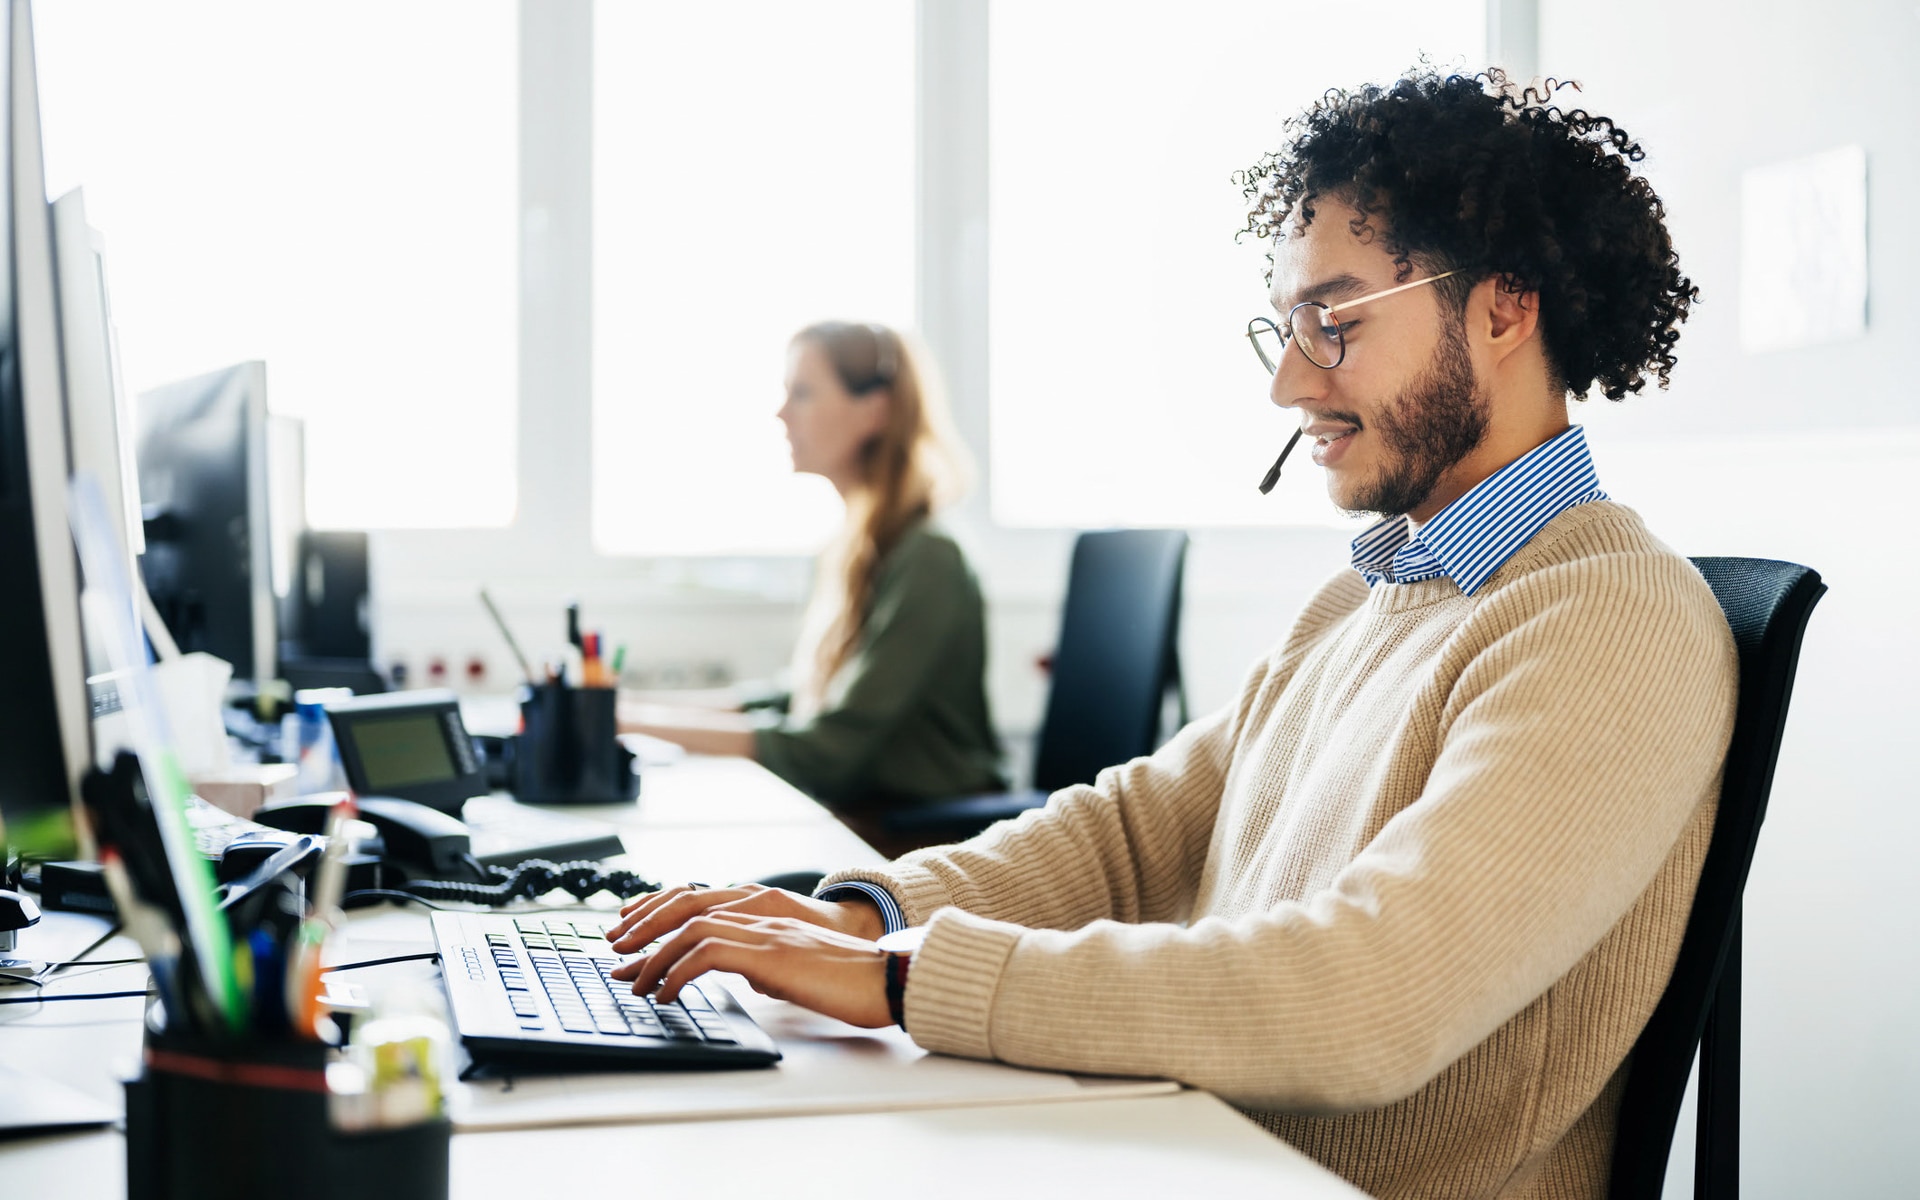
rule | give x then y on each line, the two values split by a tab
44	712
99	419
203	451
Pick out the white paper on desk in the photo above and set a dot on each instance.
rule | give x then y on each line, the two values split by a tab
829	1067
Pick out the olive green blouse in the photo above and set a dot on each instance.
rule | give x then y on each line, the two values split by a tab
905	719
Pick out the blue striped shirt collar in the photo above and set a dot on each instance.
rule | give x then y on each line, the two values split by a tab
1473	537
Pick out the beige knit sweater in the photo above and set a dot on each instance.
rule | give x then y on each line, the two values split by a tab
1407	901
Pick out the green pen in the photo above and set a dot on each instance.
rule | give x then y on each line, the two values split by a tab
619	659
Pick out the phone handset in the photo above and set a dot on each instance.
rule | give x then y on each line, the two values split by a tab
424	843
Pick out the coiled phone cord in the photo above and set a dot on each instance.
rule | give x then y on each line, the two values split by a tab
530	879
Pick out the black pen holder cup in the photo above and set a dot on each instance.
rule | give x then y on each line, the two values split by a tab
241	1122
568	751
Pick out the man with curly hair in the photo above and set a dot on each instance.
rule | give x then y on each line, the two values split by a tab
1410	898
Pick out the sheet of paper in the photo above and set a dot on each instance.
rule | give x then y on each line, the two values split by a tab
36	1103
830	1067
1803	251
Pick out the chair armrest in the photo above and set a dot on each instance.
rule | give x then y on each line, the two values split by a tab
972	812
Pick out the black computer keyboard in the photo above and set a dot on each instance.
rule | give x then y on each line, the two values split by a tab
539	989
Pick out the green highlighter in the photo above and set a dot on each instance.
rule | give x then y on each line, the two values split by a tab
108	607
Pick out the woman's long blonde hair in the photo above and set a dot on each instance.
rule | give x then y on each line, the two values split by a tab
912	467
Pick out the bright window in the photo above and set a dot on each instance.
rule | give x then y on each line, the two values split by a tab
1122	390
330	188
753	173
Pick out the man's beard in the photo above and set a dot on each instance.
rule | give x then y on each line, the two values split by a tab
1437	419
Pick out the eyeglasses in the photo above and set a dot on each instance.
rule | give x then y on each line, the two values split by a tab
1312	327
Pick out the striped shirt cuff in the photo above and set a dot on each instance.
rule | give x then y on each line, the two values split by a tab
853	889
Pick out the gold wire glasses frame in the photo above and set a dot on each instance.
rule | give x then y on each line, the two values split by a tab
1320	339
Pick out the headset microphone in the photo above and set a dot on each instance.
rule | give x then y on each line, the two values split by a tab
1273	476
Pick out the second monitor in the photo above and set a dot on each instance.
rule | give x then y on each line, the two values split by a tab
203	455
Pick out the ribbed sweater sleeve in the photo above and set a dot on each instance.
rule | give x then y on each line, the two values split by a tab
1589	711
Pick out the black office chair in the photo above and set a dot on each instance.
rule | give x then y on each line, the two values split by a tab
1767	604
1116	663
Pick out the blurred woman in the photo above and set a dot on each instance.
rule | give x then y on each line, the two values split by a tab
887	704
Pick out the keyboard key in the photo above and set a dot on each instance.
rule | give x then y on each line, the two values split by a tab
524	1005
576	1022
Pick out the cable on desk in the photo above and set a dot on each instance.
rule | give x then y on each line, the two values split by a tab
370	895
46	974
37	999
381	962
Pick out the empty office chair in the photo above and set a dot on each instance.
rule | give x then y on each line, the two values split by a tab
1767	604
1115	664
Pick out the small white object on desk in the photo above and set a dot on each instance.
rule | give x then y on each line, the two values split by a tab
242	788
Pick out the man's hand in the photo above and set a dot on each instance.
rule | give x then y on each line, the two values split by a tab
658	914
784	957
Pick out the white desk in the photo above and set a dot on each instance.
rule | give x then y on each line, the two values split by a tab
714	819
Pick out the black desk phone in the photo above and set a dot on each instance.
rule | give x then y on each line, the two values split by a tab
409	760
423	842
408	745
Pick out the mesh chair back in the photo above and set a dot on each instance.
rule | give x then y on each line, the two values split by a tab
1116	656
1767	604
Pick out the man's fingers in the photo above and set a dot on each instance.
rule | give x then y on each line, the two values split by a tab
637	909
669	914
640	906
630	970
723	953
646	972
650	899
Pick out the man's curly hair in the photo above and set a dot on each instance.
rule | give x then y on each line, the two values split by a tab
1467	172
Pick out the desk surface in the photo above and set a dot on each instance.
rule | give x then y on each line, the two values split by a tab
715	819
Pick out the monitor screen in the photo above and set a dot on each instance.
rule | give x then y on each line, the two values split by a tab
397	752
203	458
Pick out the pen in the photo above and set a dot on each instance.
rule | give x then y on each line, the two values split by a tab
513	644
269	982
303	961
148	927
619	660
593	671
